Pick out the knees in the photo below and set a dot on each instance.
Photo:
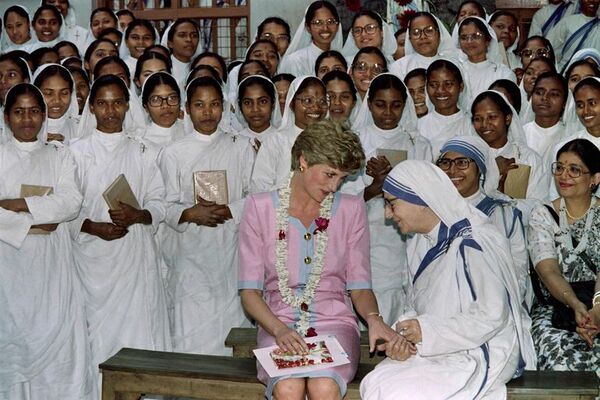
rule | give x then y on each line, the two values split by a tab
314	388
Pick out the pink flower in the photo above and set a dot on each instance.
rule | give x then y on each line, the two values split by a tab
310	332
322	224
405	17
281	235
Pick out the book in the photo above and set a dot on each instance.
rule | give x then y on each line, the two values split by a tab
211	186
120	191
517	181
394	157
36	190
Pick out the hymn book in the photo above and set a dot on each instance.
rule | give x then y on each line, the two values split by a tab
394	157
211	186
120	191
36	190
517	181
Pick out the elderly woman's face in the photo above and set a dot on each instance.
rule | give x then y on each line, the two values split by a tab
320	180
410	218
465	180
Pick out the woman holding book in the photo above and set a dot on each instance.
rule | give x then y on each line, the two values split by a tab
114	249
304	262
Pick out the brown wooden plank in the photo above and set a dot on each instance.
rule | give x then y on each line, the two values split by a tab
199	12
564	382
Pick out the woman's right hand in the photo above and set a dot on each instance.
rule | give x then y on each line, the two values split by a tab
290	341
586	328
400	349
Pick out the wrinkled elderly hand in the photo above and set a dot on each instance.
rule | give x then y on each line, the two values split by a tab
400	349
410	329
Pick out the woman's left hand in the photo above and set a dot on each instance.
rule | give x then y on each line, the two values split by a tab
379	330
410	329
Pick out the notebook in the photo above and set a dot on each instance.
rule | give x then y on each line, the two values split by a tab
394	157
36	190
211	186
517	181
120	191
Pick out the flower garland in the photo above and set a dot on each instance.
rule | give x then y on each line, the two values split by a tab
302	302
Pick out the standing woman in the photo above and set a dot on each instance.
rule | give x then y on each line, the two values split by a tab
587	100
343	101
148	64
101	18
181	38
48	26
162	101
506	26
44	342
58	87
202	245
369	30
82	86
114	250
73	32
318	32
13	70
139	35
366	65
19	34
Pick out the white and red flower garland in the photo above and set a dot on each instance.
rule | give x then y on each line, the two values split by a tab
302	302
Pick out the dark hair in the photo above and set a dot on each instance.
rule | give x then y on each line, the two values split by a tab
150	56
557	77
233	64
283	77
38	54
202	82
586	151
314	7
542	39
20	11
20	89
107	61
342	76
400	32
93	46
210	54
479	24
371	50
477	5
415	73
330	54
203	67
65	43
104	10
549	63
513	90
158	78
308	82
125	11
260	63
176	24
54	70
424	14
589	81
265	84
76	70
50	8
15	58
578	63
447	65
72	60
261	41
107	31
496	98
273	20
140	22
387	81
68	3
152	49
503	13
367	13
107	80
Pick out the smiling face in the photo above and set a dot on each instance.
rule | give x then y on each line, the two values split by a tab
109	107
535	69
548	98
185	41
341	100
587	106
205	109
386	108
578	73
444	90
329	64
589	7
367	32
47	26
319	180
139	40
410	218
17	28
306	115
82	90
267	54
25	118
322	34
466	181
163	115
416	89
57	94
573	188
423	42
257	108
491	124
101	21
364	70
473	42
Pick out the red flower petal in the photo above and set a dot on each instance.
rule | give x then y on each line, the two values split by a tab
310	332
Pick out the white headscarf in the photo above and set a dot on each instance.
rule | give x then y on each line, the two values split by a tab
43	133
464	98
90	34
510	52
62	34
493	50
388	46
164	41
67	124
288	119
124	52
303	39
516	133
446	48
583	54
6	44
275	115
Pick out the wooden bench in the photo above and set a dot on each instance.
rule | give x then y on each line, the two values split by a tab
132	372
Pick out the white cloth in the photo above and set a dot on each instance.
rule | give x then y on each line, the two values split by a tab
388	46
568	26
44	342
438	128
541	17
62	35
473	336
202	280
161	136
542	140
123	291
7	45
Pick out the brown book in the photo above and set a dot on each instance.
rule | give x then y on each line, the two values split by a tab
394	157
36	190
211	186
517	181
120	191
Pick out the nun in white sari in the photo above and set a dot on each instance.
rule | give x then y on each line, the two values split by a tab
19	13
464	319
388	44
41	29
43	340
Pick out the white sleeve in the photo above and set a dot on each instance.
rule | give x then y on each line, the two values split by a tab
173	190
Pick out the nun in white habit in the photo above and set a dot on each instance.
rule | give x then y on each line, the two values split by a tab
464	320
62	32
388	45
389	269
6	43
44	342
114	250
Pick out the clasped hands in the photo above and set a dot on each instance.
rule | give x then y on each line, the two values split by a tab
207	213
403	345
588	323
122	218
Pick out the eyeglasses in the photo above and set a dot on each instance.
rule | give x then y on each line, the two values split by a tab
363	67
273	38
368	29
309	102
158	101
541	52
324	69
343	97
461	163
428	31
317	23
473	37
574	171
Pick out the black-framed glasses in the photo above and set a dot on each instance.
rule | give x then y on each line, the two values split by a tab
428	31
368	29
158	101
363	67
317	23
461	163
473	37
541	52
309	102
273	38
573	170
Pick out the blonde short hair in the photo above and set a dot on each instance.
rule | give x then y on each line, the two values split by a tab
331	143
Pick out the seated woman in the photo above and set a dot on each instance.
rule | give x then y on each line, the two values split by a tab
460	336
309	219
473	171
564	250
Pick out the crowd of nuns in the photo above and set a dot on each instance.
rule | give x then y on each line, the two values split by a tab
512	119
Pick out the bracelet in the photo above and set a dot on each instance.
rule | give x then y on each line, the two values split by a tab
374	313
